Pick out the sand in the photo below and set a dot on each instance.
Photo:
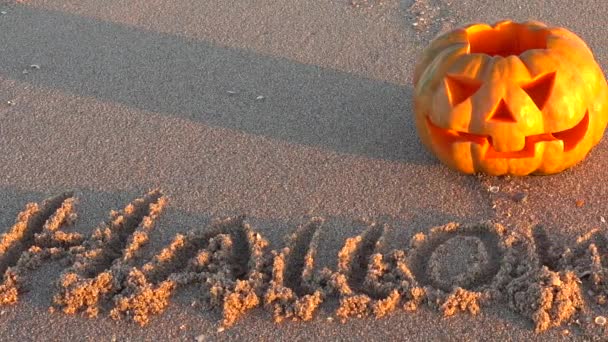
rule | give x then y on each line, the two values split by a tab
186	170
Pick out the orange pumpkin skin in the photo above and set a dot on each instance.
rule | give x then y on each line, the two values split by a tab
512	98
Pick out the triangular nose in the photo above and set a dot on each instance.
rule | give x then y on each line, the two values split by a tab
502	113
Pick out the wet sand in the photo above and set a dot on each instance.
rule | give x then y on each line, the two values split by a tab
292	186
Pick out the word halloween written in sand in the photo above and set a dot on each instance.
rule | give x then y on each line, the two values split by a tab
454	268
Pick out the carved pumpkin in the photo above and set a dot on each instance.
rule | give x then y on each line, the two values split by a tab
513	98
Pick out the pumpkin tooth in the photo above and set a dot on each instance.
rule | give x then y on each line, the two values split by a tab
570	138
526	152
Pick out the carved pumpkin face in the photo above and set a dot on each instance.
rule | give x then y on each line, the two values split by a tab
510	99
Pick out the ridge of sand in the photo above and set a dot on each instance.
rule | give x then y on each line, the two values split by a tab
282	111
236	272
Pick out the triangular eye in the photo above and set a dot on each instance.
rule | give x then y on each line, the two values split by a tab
460	88
539	90
502	113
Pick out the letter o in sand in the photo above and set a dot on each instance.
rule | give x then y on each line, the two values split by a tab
454	256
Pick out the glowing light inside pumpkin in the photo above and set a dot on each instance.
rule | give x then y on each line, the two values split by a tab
570	138
460	88
502	113
507	39
539	90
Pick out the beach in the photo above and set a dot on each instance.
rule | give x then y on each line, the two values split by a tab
227	130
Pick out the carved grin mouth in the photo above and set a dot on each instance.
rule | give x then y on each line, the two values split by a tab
570	138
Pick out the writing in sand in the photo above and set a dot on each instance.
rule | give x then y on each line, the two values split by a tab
454	268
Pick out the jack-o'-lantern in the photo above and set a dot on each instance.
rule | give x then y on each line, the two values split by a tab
512	98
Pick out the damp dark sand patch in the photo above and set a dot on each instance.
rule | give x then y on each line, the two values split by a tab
548	252
102	262
35	236
229	261
294	291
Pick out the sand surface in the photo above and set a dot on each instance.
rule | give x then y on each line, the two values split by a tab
297	115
